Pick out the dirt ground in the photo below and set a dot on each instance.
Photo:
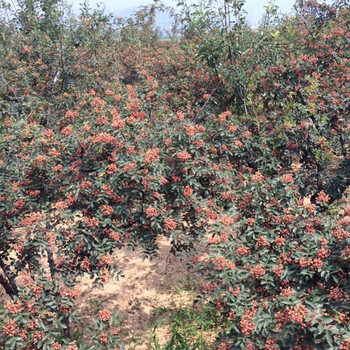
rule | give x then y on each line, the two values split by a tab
161	284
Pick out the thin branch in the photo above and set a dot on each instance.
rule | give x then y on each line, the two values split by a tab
8	287
49	252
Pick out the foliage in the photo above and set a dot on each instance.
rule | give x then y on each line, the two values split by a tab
279	273
110	137
190	328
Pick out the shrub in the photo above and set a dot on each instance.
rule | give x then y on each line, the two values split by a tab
126	138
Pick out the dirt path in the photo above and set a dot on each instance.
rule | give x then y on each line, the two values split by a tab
161	284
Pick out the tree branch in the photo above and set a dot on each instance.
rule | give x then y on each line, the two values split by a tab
8	280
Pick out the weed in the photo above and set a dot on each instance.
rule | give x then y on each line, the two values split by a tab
190	328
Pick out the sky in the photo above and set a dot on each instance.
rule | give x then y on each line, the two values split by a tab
115	5
254	8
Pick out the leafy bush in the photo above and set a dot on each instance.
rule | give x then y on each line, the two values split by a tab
110	138
279	269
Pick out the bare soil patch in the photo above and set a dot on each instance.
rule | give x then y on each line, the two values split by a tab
147	288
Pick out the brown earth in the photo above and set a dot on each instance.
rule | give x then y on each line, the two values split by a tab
150	287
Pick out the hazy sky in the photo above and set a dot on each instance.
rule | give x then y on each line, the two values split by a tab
254	8
115	5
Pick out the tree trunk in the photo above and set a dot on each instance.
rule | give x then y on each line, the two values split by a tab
8	280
